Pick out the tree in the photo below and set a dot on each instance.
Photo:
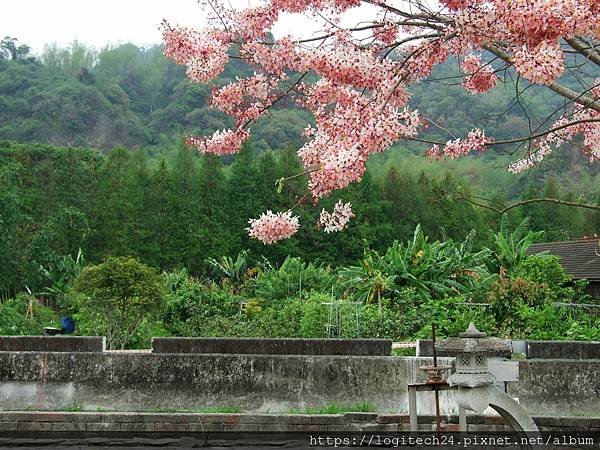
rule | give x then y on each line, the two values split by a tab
360	97
10	49
118	295
10	221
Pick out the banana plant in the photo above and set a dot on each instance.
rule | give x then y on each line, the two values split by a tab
230	270
175	279
511	249
367	280
61	276
432	269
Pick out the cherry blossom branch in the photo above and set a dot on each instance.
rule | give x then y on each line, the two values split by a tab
516	140
279	98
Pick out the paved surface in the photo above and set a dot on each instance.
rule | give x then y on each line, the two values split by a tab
137	443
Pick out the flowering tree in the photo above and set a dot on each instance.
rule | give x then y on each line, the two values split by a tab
360	99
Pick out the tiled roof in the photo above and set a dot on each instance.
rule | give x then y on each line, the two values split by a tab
580	258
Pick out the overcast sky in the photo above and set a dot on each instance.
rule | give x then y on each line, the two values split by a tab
97	23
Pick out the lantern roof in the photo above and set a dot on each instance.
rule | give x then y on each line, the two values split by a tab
473	341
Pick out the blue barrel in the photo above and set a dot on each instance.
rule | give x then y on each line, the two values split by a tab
67	324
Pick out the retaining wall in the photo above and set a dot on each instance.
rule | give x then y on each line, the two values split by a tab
138	381
286	423
58	343
356	347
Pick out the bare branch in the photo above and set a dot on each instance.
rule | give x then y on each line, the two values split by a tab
561	90
501	211
588	52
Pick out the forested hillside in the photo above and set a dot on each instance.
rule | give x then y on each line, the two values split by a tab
131	96
117	96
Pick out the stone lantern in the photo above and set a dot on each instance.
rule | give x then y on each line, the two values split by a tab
472	350
474	382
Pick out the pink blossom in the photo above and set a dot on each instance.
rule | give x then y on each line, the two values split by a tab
475	141
246	98
269	227
479	78
540	65
204	54
225	142
337	219
456	4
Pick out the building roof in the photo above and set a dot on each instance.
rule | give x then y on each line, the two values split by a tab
580	258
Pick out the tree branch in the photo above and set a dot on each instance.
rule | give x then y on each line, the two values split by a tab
588	52
561	90
501	211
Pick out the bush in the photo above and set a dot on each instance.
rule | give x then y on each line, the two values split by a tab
452	316
13	320
550	322
116	297
508	295
542	269
191	304
292	280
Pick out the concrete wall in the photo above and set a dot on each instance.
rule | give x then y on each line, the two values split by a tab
563	350
537	349
58	343
137	381
355	347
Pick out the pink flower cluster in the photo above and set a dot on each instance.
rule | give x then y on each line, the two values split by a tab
456	4
479	78
337	219
204	54
225	142
303	5
276	58
270	228
540	65
476	141
247	98
530	29
423	58
349	128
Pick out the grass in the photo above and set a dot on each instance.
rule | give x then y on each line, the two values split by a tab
333	408
209	410
73	408
409	351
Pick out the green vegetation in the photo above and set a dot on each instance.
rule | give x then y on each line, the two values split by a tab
428	281
116	297
24	315
334	408
90	229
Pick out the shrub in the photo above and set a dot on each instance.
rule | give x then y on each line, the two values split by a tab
15	320
293	279
191	304
542	269
508	295
452	316
116	297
